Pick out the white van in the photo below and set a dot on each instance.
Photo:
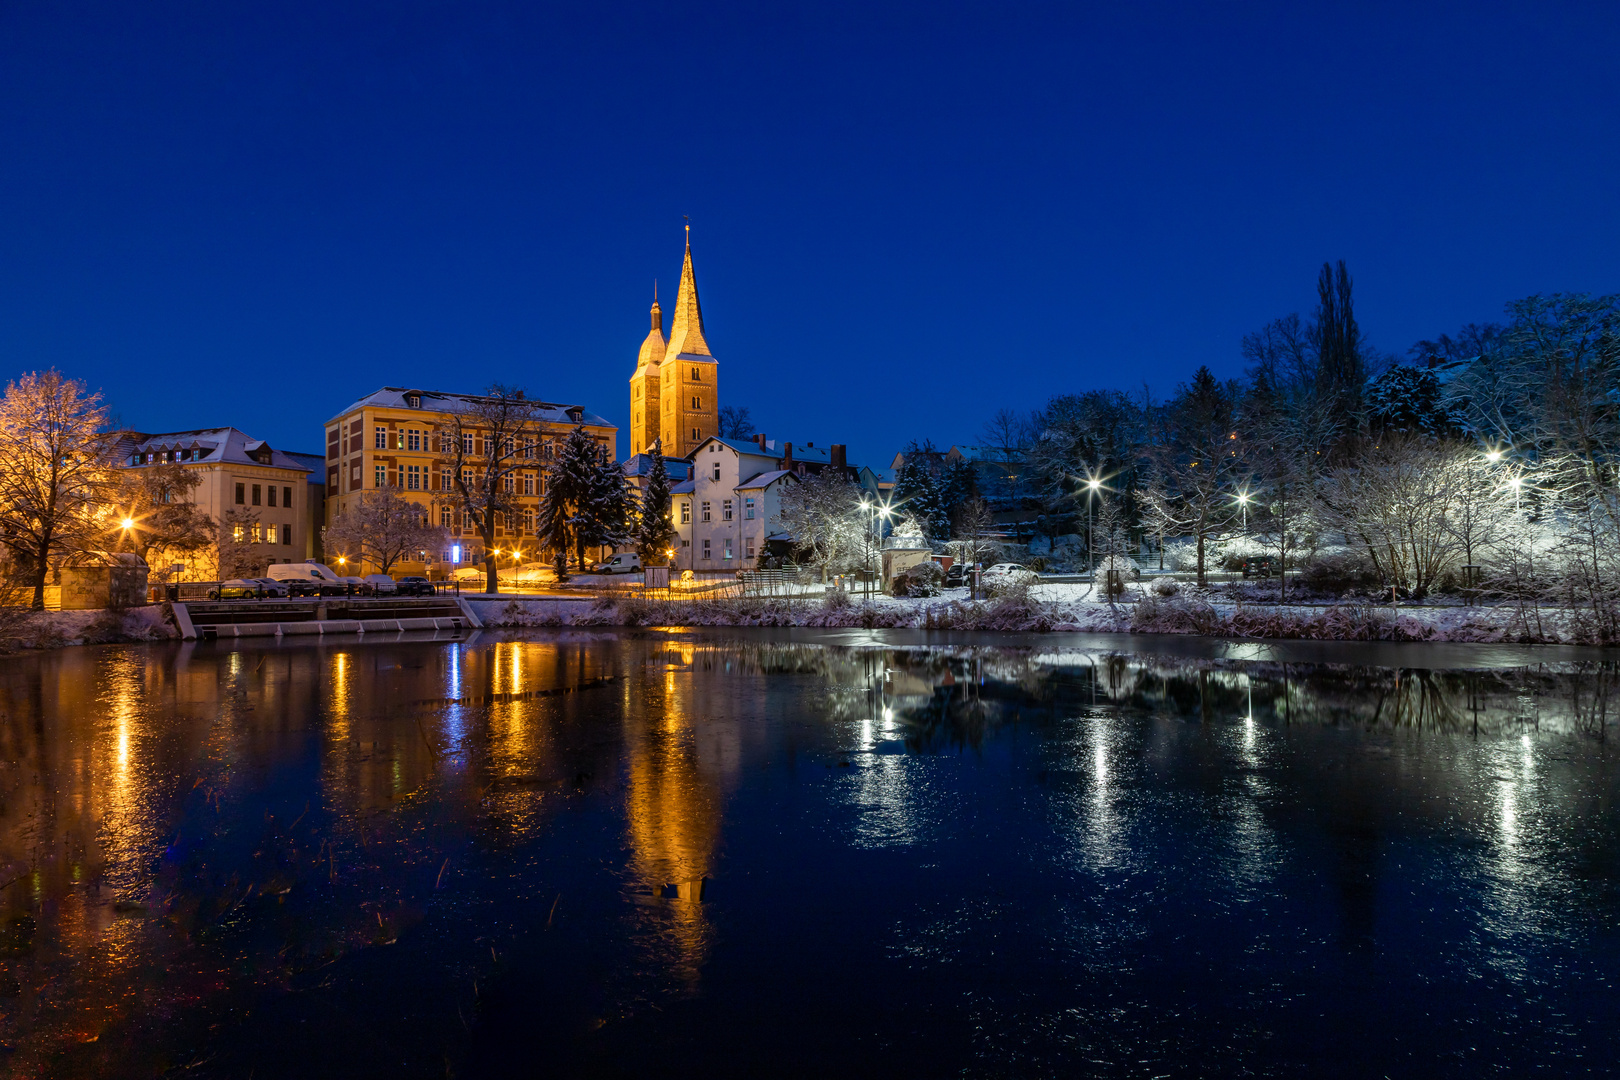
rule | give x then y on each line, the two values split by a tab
625	562
317	580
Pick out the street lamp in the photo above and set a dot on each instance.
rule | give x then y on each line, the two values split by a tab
1243	501
1092	487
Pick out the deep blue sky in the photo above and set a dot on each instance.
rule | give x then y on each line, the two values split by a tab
903	218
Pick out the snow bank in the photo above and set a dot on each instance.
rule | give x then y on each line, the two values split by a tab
53	629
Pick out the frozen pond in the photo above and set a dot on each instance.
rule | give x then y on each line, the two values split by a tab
670	853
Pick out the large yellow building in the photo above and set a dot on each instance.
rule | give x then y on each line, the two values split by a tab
400	438
675	392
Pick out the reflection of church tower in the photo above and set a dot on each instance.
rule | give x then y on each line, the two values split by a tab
678	397
644	414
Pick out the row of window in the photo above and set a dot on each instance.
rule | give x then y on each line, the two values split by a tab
426	440
269	490
708	551
725	511
420	477
261	534
165	457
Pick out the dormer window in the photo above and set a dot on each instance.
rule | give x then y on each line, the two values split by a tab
413	401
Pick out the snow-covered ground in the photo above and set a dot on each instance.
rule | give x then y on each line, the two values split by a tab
1064	607
51	629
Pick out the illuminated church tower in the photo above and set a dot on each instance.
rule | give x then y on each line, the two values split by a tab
675	392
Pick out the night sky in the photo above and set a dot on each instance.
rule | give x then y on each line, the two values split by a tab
903	219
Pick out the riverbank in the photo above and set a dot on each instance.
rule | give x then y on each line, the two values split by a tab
1186	614
1060	610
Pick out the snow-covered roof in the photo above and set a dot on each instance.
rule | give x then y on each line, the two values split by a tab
394	397
213	446
763	480
685	487
641	465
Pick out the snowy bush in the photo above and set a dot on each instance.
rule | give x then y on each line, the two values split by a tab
1166	587
923	579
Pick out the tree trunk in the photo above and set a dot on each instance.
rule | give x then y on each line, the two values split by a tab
41	568
492	578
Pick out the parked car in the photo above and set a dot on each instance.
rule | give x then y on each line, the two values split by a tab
362	587
415	586
273	589
237	589
1262	566
625	562
382	584
319	579
1008	573
959	576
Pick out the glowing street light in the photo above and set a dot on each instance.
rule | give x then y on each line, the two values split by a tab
128	524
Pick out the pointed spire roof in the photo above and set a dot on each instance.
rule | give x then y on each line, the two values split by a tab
686	325
652	348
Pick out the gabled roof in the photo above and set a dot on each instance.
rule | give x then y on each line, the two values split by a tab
393	397
685	487
765	479
217	445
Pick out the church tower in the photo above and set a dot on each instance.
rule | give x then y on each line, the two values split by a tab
645	416
689	385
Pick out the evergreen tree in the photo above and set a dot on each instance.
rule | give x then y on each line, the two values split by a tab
606	514
568	488
916	490
958	486
655	530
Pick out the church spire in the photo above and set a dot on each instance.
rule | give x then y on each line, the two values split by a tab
686	326
652	346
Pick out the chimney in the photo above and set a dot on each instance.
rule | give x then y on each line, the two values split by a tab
759	437
787	456
837	452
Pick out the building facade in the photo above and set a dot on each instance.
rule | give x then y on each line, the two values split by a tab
731	507
238	473
400	439
675	391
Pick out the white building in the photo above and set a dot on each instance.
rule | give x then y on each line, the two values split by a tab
731	504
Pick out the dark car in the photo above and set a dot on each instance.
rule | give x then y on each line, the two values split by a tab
413	586
959	576
299	587
273	589
1261	566
237	589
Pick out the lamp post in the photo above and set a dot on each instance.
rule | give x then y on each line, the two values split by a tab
1092	487
1243	501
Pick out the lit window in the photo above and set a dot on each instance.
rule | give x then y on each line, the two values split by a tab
686	513
236	533
382	476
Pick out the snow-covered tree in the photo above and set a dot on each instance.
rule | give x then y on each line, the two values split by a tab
823	514
655	530
239	552
382	528
57	475
588	500
166	522
916	489
491	438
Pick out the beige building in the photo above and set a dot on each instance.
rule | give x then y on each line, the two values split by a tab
675	392
238	473
398	438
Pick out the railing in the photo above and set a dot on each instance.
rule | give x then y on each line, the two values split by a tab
176	592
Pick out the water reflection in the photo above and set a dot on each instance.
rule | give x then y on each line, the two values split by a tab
184	828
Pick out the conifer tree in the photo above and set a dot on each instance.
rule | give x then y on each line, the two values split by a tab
655	530
568	487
